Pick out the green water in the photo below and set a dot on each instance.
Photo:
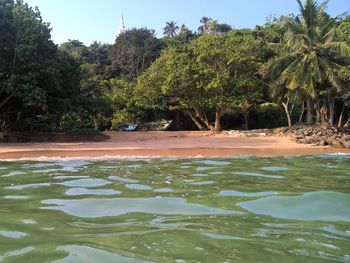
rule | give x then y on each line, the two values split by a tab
194	210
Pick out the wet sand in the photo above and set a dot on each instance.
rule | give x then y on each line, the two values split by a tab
166	144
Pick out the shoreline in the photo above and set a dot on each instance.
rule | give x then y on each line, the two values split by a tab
165	144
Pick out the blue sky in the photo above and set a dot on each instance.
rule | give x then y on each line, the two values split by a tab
90	20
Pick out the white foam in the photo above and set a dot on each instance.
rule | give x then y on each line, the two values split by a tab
96	158
141	157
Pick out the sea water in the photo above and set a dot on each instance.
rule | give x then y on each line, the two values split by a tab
247	209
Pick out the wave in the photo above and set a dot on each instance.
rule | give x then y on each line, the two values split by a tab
96	158
145	158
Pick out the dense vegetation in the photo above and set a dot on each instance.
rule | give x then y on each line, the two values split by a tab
292	69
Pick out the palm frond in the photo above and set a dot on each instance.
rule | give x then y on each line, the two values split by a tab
297	42
276	67
289	75
322	7
301	71
341	48
328	69
329	36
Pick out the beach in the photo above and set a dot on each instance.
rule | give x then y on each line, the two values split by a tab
166	144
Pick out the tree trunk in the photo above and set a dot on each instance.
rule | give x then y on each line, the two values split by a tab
347	124
193	118
309	117
245	116
203	118
285	106
302	112
340	121
318	111
4	101
331	109
218	114
324	114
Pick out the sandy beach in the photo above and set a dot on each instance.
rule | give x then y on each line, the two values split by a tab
166	144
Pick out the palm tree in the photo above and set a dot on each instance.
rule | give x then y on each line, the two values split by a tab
309	57
205	25
171	29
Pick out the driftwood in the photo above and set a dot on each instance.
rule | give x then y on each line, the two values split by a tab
161	125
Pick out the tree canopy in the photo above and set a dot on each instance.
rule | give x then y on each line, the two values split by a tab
218	77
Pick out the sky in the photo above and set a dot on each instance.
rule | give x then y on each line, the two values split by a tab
99	20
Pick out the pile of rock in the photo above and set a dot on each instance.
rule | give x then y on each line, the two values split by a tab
316	135
250	133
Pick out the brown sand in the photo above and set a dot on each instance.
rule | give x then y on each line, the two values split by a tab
166	144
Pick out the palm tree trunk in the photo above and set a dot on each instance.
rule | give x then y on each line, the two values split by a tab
285	106
246	124
302	111
318	111
309	117
218	114
340	121
331	109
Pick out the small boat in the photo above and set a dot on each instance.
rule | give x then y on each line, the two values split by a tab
128	127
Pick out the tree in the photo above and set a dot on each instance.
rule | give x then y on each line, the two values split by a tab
205	25
223	28
207	77
228	64
185	35
171	29
343	29
211	26
76	49
133	52
119	94
98	56
27	69
65	95
308	58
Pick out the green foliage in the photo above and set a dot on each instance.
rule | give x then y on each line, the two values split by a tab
140	77
76	49
26	68
212	73
32	75
119	93
310	58
133	52
343	29
268	115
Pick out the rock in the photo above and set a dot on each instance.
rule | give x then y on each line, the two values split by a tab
346	144
317	135
336	143
323	143
295	137
346	137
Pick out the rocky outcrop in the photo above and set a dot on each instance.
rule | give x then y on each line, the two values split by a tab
316	135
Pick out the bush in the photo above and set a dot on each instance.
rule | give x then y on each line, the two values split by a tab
268	115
